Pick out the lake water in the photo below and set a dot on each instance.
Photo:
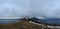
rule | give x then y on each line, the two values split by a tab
6	21
51	21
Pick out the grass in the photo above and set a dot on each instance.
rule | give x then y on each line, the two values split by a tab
22	25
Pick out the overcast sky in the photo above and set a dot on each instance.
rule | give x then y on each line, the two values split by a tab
41	8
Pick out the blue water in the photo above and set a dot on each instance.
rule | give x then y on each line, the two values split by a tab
51	21
7	21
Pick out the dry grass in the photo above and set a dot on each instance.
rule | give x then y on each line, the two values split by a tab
22	25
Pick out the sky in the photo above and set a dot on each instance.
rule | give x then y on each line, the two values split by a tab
31	8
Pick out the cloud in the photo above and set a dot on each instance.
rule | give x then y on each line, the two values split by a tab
46	8
42	8
14	8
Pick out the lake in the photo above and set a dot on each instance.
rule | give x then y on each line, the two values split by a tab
51	21
6	21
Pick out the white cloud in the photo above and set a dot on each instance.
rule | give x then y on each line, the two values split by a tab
43	8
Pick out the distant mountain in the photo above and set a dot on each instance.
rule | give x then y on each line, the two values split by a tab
49	21
34	19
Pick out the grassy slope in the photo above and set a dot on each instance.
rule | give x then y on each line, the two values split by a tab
21	25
